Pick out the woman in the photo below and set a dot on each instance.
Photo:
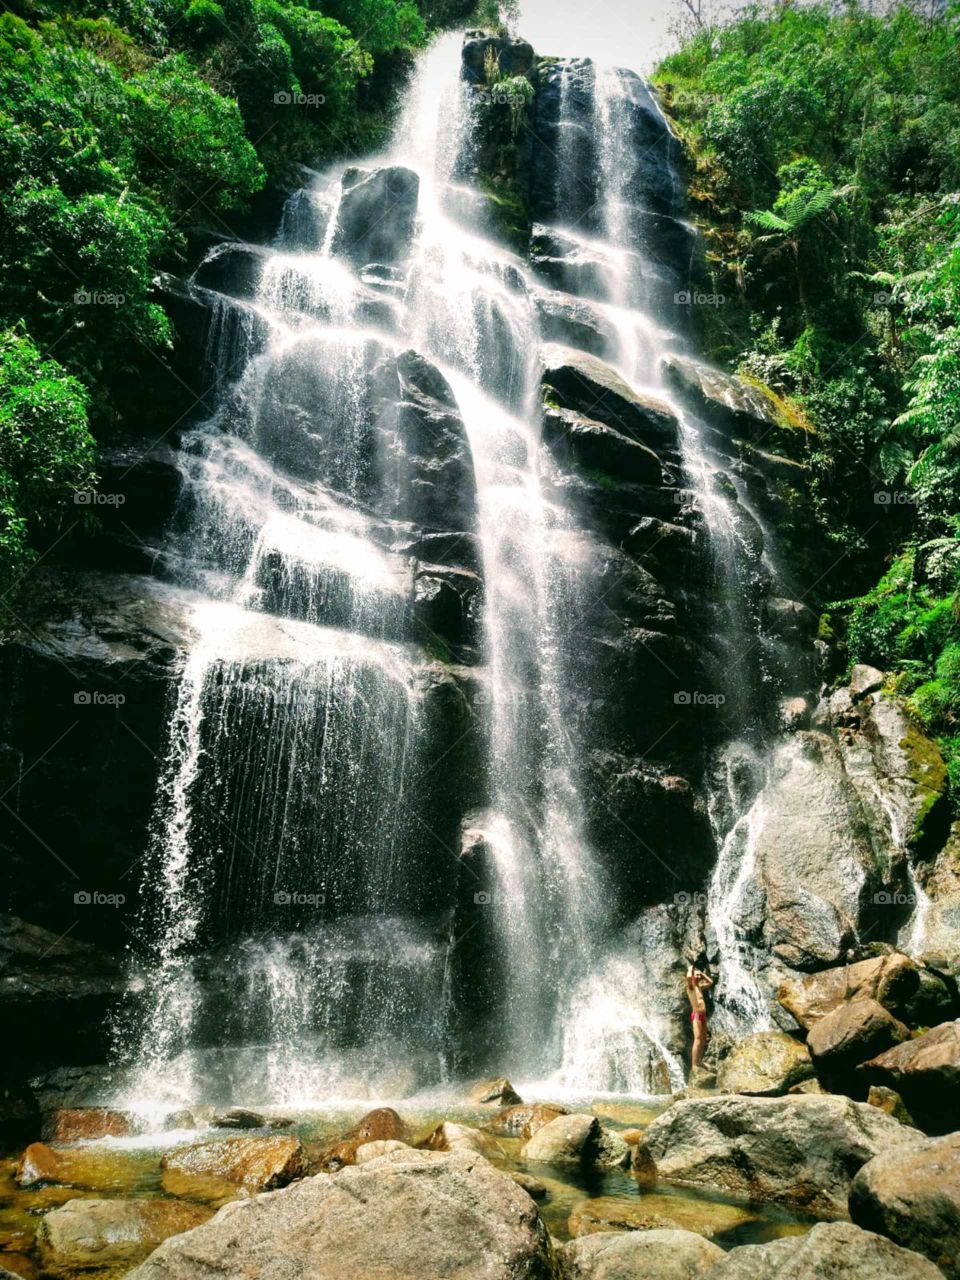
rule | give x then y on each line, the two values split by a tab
697	983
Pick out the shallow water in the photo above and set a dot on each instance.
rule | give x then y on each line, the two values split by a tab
130	1167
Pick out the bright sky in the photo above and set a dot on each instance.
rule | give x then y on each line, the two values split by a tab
624	33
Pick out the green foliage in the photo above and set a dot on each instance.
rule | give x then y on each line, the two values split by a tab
46	450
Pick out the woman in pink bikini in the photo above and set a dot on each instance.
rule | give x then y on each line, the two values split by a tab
697	983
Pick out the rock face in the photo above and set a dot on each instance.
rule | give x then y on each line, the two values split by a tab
377	214
852	1033
914	1198
576	1139
835	1249
638	1255
802	1149
87	1234
406	1216
890	981
211	1170
71	1124
765	1064
926	1074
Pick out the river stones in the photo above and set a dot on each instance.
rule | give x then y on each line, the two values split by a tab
101	1233
802	1150
406	1216
637	1255
926	1074
382	1124
497	1090
91	1167
531	1185
766	1063
889	1100
852	1033
835	1249
914	1198
213	1170
242	1118
461	1137
72	1124
576	1139
525	1120
382	1147
890	980
650	1211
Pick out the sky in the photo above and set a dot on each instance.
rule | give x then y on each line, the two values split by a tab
625	33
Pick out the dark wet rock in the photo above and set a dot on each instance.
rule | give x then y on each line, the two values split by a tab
926	1073
764	1064
232	268
85	1234
576	440
512	56
724	397
447	605
835	1249
525	1119
650	1212
891	980
377	214
667	1254
567	263
914	1198
212	1170
574	322
579	381
800	1149
498	1090
242	1118
853	1032
370	1220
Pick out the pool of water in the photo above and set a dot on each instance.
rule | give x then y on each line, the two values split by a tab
577	1199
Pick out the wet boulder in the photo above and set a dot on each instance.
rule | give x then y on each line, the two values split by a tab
383	1124
574	322
243	1118
764	1064
498	1090
377	214
524	1120
93	1167
578	441
852	1033
914	1198
802	1149
73	1124
576	1139
407	1215
925	1072
830	1249
668	1254
461	1137
582	382
213	1170
87	1234
889	980
232	268
724	398
512	56
651	1212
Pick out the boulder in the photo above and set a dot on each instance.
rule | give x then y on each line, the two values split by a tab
92	1168
637	1255
889	1100
890	980
765	1063
574	322
802	1149
863	680
926	1074
853	1032
380	1125
409	1215
85	1234
724	398
73	1124
531	1185
587	385
524	1120
576	1139
241	1118
461	1137
650	1212
377	214
837	1250
212	1170
914	1198
374	1150
578	441
499	1090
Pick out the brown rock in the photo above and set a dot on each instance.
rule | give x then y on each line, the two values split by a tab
498	1090
531	1185
656	1212
461	1137
524	1120
374	1150
72	1124
889	1100
108	1233
764	1064
926	1074
853	1032
214	1170
632	1136
637	1255
381	1125
86	1167
890	980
